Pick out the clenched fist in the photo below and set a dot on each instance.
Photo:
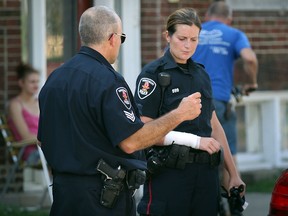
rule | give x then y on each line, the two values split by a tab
190	107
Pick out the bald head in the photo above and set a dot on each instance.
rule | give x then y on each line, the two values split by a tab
219	9
97	24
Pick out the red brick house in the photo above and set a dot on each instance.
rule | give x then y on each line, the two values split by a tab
266	28
264	21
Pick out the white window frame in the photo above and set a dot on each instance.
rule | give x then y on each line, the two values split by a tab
37	37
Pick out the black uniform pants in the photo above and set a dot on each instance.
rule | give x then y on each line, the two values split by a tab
193	191
80	196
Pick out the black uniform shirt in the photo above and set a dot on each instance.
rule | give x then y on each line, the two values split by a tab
183	83
86	110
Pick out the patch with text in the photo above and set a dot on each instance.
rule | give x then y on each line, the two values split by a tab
146	87
122	94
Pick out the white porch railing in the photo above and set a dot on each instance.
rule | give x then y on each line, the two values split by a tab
263	131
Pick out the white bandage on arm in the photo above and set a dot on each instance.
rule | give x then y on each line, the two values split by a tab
181	138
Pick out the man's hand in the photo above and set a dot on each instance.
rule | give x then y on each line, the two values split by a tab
209	144
190	107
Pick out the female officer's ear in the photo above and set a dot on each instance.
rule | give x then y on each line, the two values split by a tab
167	36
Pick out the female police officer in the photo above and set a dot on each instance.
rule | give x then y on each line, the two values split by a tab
187	182
90	129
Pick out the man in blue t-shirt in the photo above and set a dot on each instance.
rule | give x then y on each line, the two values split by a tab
220	45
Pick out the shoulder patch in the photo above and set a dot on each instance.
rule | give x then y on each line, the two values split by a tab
123	96
146	86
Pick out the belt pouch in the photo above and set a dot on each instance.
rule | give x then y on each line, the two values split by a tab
183	156
135	178
215	159
173	156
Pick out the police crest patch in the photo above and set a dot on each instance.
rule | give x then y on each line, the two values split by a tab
146	87
122	94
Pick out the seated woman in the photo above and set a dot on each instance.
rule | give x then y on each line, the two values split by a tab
23	111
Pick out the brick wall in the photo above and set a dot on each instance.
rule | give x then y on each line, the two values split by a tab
153	19
268	34
267	31
10	56
10	48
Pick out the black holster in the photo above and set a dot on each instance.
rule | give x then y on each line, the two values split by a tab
110	192
114	182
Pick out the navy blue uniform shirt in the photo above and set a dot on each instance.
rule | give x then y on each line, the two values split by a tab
183	83
86	110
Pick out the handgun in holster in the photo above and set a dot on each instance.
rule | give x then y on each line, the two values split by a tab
112	185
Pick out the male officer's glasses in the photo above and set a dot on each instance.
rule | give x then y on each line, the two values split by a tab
123	36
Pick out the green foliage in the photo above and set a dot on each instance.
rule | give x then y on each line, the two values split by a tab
261	186
16	211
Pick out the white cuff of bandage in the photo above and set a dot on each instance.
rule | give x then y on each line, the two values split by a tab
181	138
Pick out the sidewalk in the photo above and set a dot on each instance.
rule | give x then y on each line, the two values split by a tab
258	202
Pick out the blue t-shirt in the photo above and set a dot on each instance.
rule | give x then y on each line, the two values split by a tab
219	46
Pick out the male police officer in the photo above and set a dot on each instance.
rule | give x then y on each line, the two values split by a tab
90	129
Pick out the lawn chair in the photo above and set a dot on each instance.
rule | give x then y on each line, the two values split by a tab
16	149
47	175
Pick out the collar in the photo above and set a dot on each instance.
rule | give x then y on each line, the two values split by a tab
95	55
168	62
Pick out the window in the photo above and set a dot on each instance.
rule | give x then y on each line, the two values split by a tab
61	31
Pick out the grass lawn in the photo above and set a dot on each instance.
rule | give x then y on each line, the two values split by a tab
16	211
264	184
261	186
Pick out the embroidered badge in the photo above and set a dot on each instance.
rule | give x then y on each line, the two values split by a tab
130	115
122	94
146	87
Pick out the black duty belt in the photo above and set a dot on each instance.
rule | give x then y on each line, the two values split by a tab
177	156
204	158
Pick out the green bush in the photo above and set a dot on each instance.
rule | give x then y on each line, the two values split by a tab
261	186
262	182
